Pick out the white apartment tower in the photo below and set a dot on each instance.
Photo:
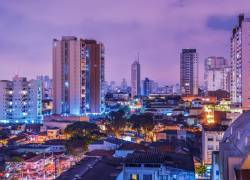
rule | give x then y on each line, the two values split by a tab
189	75
217	74
78	76
21	101
240	60
135	79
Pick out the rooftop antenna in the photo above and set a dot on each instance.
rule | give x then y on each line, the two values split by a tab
138	56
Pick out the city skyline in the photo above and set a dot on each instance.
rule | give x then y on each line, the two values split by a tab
159	35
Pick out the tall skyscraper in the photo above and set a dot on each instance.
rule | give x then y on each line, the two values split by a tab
217	74
189	72
135	79
240	60
21	101
78	75
147	86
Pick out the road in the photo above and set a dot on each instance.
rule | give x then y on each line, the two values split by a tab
79	169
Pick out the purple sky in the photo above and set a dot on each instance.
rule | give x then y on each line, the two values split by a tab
157	29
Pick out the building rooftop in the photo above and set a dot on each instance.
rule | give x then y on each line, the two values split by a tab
133	146
170	132
175	160
188	50
115	141
38	157
215	128
105	169
55	142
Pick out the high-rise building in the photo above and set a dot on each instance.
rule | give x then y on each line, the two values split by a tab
147	86
112	86
124	85
78	75
176	89
135	79
240	59
217	74
47	87
21	101
189	72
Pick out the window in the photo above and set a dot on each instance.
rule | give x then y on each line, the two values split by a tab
134	177
163	177
247	140
147	176
210	139
210	147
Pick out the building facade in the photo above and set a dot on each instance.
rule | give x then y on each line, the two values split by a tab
189	75
21	101
158	166
234	154
135	79
240	53
47	87
217	74
78	74
211	138
147	86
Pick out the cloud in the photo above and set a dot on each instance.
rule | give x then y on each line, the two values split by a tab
221	22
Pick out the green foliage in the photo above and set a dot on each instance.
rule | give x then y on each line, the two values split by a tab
17	159
81	134
143	123
77	145
200	170
81	128
117	122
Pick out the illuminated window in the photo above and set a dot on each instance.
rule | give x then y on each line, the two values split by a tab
134	177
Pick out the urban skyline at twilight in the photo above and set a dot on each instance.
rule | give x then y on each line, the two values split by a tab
157	30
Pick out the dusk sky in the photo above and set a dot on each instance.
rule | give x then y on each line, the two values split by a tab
157	29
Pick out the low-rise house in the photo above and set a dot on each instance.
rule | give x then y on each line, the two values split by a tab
17	129
18	140
109	143
129	148
192	120
211	138
171	135
154	165
41	137
53	132
33	128
56	145
37	163
34	148
47	147
195	111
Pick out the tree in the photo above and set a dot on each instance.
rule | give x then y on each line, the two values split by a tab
17	159
80	134
116	122
144	124
200	170
77	145
82	128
